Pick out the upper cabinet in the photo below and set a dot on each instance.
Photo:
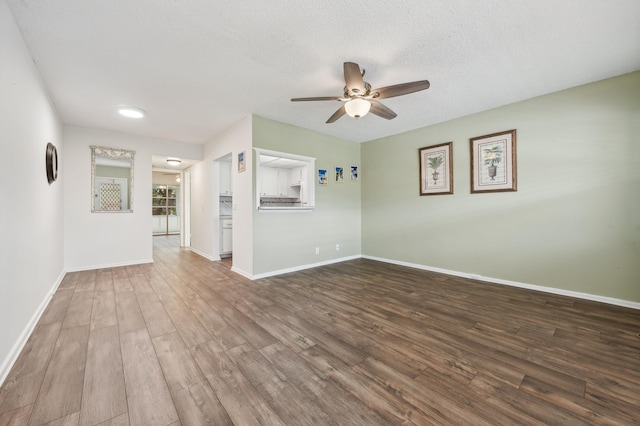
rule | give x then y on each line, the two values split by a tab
282	181
269	181
225	178
297	176
275	182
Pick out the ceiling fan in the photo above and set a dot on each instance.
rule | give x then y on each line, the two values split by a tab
359	99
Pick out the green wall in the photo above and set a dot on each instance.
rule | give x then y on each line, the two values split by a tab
573	224
284	240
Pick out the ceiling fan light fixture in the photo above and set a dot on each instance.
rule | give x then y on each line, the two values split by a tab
131	112
357	107
173	162
359	99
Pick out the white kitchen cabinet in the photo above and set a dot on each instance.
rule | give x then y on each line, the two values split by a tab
283	183
268	181
274	182
295	177
226	237
298	184
225	178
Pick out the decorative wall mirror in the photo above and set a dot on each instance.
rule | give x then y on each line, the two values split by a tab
111	180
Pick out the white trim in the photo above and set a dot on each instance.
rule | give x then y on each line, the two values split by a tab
285	209
241	272
108	265
206	256
17	348
559	291
302	267
214	259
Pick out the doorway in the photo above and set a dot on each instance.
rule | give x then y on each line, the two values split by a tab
225	205
165	209
186	203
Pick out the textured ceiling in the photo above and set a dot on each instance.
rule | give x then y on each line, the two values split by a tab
199	66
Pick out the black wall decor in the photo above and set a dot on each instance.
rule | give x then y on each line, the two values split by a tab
52	163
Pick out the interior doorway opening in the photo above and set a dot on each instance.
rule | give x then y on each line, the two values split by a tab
223	180
166	205
166	209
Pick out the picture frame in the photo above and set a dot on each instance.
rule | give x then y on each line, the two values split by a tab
436	169
354	173
339	175
322	177
241	162
493	162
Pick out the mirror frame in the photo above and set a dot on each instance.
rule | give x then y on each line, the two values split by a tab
113	154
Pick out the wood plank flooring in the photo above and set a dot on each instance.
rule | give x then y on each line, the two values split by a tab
184	341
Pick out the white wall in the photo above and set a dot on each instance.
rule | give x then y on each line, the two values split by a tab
97	240
31	260
204	202
204	240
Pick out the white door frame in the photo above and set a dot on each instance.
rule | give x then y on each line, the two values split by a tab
185	232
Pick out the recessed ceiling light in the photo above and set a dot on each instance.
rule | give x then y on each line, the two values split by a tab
131	112
173	162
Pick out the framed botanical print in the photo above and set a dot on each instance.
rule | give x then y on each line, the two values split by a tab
436	169
493	162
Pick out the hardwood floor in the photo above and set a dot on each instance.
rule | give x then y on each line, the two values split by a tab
186	341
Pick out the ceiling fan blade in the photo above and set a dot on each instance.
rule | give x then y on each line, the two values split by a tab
339	113
401	89
318	98
353	77
381	110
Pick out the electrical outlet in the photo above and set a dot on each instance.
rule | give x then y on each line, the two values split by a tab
337	247
317	250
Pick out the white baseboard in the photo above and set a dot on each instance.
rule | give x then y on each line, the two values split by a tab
108	265
553	290
241	272
205	255
302	267
13	354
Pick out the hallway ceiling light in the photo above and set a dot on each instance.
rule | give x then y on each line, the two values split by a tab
131	112
173	162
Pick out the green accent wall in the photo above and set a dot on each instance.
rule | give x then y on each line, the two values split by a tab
283	240
574	222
